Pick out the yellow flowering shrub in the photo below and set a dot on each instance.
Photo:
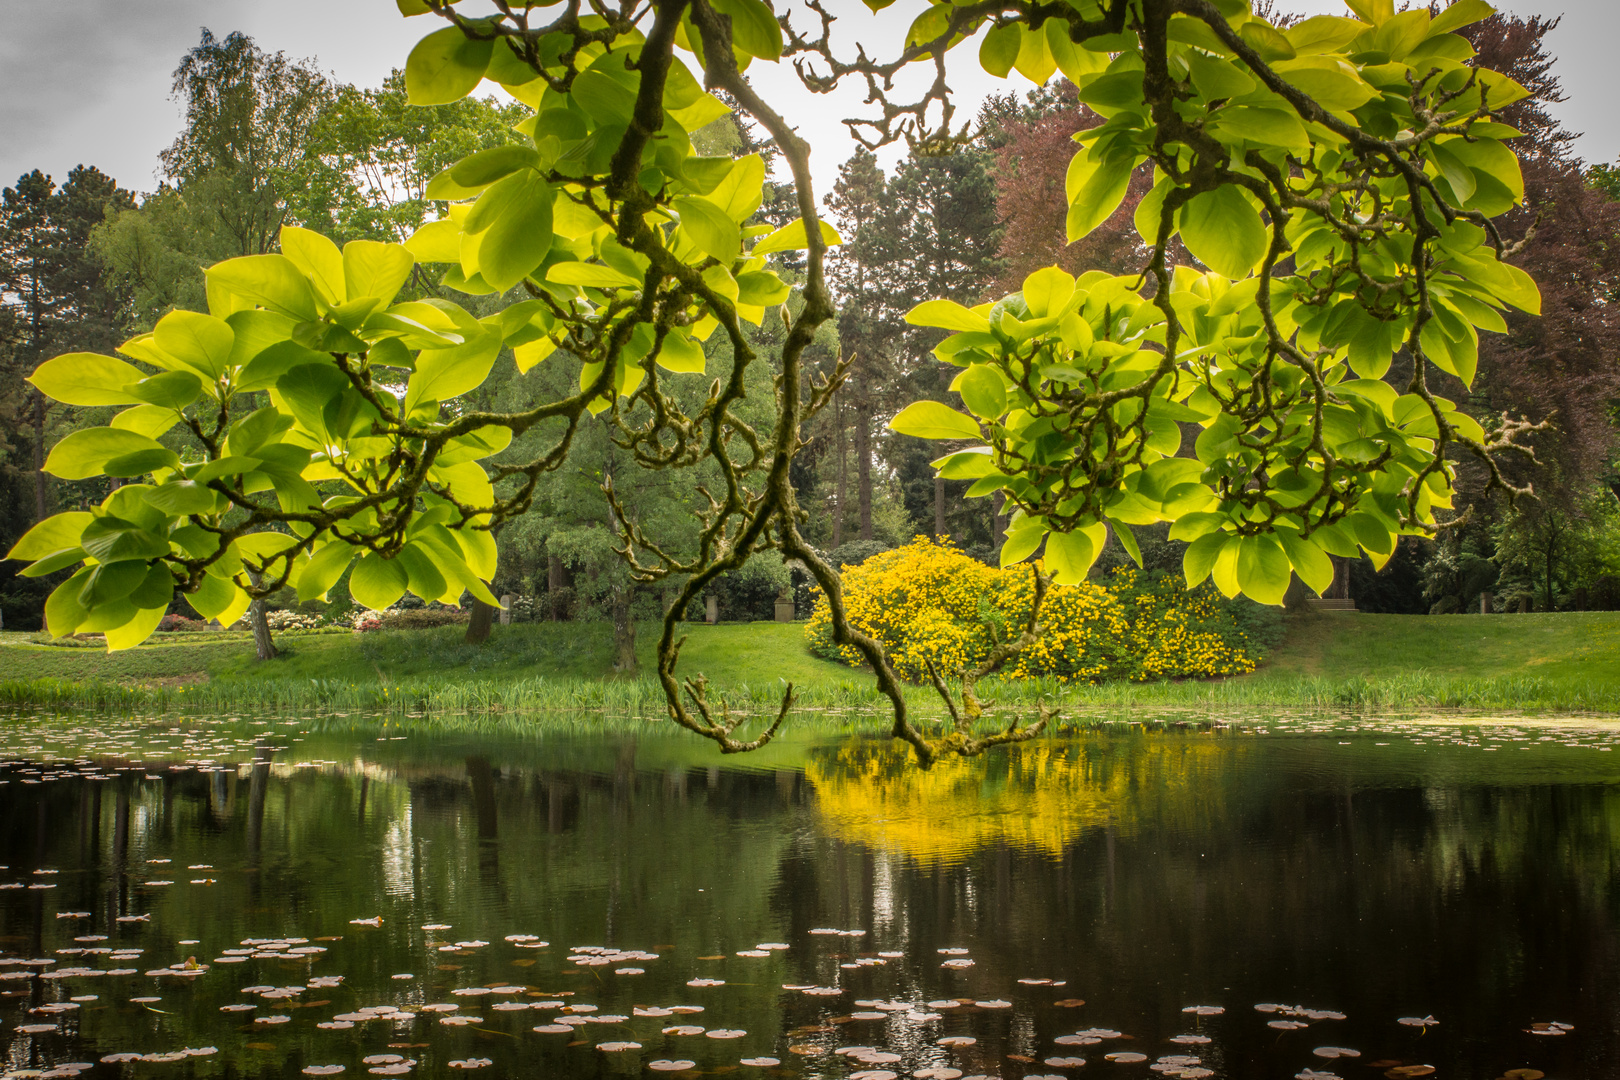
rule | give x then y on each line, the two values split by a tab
928	601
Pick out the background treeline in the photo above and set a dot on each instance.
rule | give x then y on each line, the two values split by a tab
85	263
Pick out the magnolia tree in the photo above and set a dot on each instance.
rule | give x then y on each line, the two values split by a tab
1335	179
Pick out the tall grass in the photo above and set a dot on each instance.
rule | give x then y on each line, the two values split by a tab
644	699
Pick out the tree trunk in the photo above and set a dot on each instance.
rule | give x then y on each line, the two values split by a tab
863	467
624	632
840	491
939	508
1340	589
554	583
478	625
41	488
263	644
998	519
1552	547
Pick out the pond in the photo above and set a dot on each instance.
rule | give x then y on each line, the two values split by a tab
1295	897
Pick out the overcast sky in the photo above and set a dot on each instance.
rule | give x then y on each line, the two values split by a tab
90	85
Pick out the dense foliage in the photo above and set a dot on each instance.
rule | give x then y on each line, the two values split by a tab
931	604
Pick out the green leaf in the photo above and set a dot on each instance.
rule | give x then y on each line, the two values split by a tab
1329	82
110	539
681	354
1104	189
1034	61
445	67
309	391
1263	569
1223	230
999	49
324	568
55	533
452	563
1127	540
982	391
934	420
743	189
374	269
172	390
762	288
1323	33
793	237
1199	558
1266	40
590	275
1079	65
1069	556
141	462
148	420
87	379
201	342
140	626
63	612
928	26
1216	79
377	582
50	564
1268	127
219	598
754	29
710	228
1460	14
520	238
443	374
1310	562
974	463
425	579
1047	291
1197	525
181	497
531	353
156	590
1116	91
110	582
271	281
477	171
85	453
1455	170
1023	537
318	258
947	315
266	369
436	242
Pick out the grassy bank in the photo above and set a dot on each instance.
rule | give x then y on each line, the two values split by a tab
1555	662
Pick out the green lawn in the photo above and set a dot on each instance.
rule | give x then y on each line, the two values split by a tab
737	653
1563	646
1565	662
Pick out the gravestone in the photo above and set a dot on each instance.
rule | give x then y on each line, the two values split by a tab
711	608
506	609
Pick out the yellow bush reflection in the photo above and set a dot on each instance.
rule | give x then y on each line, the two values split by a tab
1038	797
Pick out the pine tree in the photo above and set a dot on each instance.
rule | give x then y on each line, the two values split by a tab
52	285
53	299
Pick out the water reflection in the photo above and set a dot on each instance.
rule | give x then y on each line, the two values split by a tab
470	898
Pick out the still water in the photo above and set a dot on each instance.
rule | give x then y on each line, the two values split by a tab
231	897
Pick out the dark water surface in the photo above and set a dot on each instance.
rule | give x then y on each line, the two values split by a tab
1314	882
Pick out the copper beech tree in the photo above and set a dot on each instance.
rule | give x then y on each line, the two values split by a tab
1336	181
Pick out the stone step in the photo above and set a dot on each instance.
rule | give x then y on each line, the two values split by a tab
1318	603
